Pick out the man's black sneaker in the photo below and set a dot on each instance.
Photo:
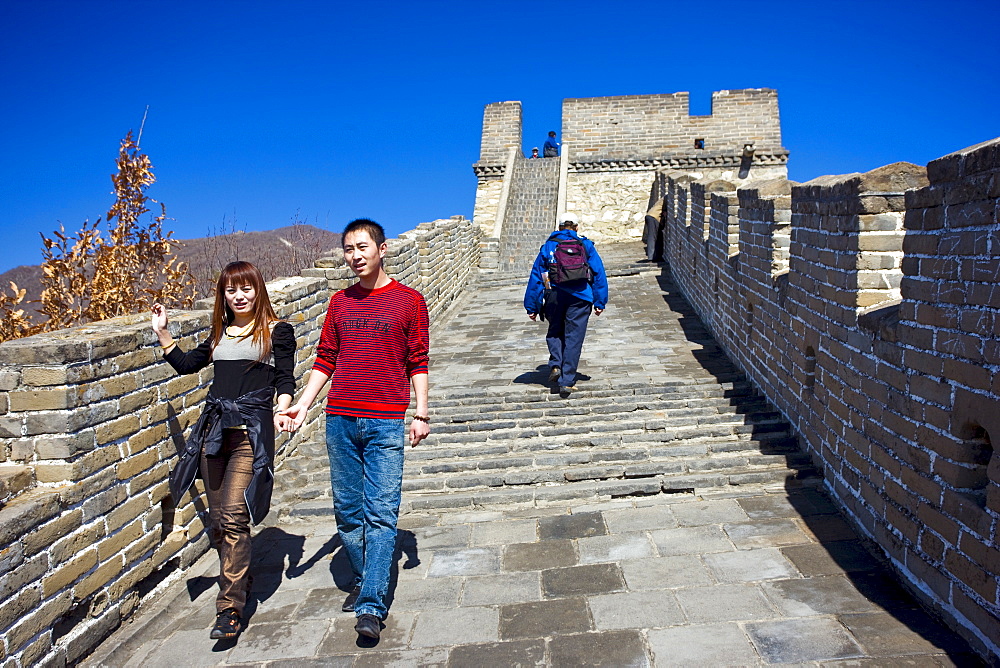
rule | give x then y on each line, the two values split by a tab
554	374
566	390
227	625
368	626
351	599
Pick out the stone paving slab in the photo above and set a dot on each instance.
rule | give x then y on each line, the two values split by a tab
539	603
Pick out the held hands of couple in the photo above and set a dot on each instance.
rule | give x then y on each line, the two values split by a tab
292	417
282	422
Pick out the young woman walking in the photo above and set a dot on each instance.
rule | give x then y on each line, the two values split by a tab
232	443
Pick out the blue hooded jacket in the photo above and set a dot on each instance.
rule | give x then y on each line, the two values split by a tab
595	292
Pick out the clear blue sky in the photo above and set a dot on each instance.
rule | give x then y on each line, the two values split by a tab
344	109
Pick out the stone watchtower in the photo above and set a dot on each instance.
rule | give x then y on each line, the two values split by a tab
612	150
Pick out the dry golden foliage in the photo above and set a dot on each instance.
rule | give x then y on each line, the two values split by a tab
85	278
13	324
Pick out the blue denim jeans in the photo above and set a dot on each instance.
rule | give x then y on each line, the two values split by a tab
568	317
366	473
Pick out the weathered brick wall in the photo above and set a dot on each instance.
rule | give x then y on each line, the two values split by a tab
638	127
609	204
866	308
501	132
90	422
487	201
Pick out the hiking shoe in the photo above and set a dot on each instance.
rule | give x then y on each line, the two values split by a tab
368	626
554	374
566	390
351	599
227	625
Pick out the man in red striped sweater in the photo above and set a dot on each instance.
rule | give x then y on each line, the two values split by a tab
373	345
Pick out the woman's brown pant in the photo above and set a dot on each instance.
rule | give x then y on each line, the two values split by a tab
227	476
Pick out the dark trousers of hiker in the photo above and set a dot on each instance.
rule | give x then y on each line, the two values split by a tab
226	479
568	317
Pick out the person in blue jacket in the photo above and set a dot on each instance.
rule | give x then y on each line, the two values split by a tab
550	149
567	306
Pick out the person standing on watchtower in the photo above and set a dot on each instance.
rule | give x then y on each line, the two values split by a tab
550	149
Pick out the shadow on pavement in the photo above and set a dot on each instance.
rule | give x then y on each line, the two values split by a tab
406	544
540	376
841	550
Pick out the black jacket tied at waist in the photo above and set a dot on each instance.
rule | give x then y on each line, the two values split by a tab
253	409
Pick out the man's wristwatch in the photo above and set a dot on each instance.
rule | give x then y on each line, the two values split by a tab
422	418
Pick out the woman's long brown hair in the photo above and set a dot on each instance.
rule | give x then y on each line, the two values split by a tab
241	273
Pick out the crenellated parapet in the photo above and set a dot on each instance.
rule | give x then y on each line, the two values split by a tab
865	307
651	127
849	229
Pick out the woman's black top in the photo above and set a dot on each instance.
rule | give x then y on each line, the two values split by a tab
237	371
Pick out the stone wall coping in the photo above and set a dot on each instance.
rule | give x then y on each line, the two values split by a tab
767	189
981	157
893	179
671	96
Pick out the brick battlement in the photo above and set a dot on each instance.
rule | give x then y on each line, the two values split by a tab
652	126
865	307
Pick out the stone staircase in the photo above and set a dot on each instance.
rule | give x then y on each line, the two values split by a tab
520	447
659	408
531	213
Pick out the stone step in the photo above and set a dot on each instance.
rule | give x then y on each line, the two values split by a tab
542	494
593	392
611	487
679	406
605	432
670	444
658	469
632	461
640	420
620	259
773	441
495	456
594	389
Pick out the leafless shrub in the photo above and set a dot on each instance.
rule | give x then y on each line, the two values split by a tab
277	253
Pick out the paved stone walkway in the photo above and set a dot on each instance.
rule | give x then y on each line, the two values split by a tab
749	575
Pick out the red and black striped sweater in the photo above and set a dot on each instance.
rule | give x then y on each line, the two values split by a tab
372	342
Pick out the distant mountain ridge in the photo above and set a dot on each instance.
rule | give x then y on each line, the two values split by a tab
284	251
